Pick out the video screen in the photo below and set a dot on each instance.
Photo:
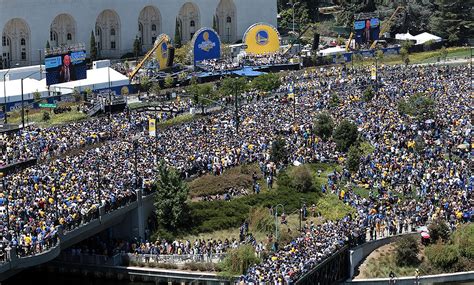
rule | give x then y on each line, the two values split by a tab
67	67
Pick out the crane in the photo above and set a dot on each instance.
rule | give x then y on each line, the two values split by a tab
387	24
147	56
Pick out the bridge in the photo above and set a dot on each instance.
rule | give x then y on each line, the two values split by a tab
125	222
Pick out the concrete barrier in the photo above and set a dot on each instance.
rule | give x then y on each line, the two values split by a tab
427	279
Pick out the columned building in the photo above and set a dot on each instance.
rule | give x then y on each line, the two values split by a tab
28	26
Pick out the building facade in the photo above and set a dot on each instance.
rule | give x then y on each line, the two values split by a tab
27	25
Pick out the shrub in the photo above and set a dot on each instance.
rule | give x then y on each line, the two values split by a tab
323	126
302	179
442	256
345	135
46	116
279	153
353	158
261	220
406	251
368	94
417	105
439	230
239	260
464	238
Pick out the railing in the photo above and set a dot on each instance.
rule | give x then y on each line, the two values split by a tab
176	258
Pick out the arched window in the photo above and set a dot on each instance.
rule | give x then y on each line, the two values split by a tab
112	32
69	37
192	23
229	19
140	27
153	28
4	41
23	42
52	36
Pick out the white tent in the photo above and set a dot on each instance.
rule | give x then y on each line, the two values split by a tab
332	50
425	37
405	37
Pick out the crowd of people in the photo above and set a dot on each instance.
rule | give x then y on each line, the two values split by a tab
67	189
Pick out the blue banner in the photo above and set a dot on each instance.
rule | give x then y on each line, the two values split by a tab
374	22
206	45
359	25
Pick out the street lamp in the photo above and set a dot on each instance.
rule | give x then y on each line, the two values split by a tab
293	9
97	167
276	219
23	100
135	149
5	92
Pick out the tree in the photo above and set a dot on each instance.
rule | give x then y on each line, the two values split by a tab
214	23
183	54
379	55
439	231
417	105
443	53
137	47
36	96
279	152
169	81
234	87
170	198
48	46
155	88
77	95
301	179
93	47
353	158
334	100
88	92
145	83
406	251
405	56
266	82
177	33
238	261
368	94
428	45
345	135
451	20
323	126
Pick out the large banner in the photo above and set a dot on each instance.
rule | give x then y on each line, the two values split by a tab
69	66
206	45
162	53
261	38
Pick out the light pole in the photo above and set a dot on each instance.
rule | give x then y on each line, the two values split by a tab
110	92
293	9
135	149
23	100
5	92
276	219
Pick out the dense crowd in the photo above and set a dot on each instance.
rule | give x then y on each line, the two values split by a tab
66	190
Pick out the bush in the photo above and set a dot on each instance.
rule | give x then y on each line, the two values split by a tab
261	220
323	126
439	230
239	260
464	238
368	94
442	256
279	153
345	135
406	251
199	266
417	105
267	82
353	158
302	179
46	116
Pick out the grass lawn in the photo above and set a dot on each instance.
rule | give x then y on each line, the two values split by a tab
180	119
36	116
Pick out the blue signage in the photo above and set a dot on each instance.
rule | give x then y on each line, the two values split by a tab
359	25
52	62
207	45
374	22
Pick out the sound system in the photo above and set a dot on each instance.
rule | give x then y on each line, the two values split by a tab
315	41
171	57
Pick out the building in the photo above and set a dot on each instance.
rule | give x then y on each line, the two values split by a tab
27	25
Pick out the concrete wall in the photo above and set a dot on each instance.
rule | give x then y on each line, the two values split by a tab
127	218
428	279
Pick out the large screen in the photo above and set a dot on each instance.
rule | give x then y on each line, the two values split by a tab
367	30
66	67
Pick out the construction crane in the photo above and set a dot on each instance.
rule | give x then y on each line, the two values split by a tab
297	39
387	25
147	56
348	44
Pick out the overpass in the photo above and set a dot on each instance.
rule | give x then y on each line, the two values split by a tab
125	222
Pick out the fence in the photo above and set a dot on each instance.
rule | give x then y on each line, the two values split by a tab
332	270
177	258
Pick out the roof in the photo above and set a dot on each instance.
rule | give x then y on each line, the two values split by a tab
420	39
